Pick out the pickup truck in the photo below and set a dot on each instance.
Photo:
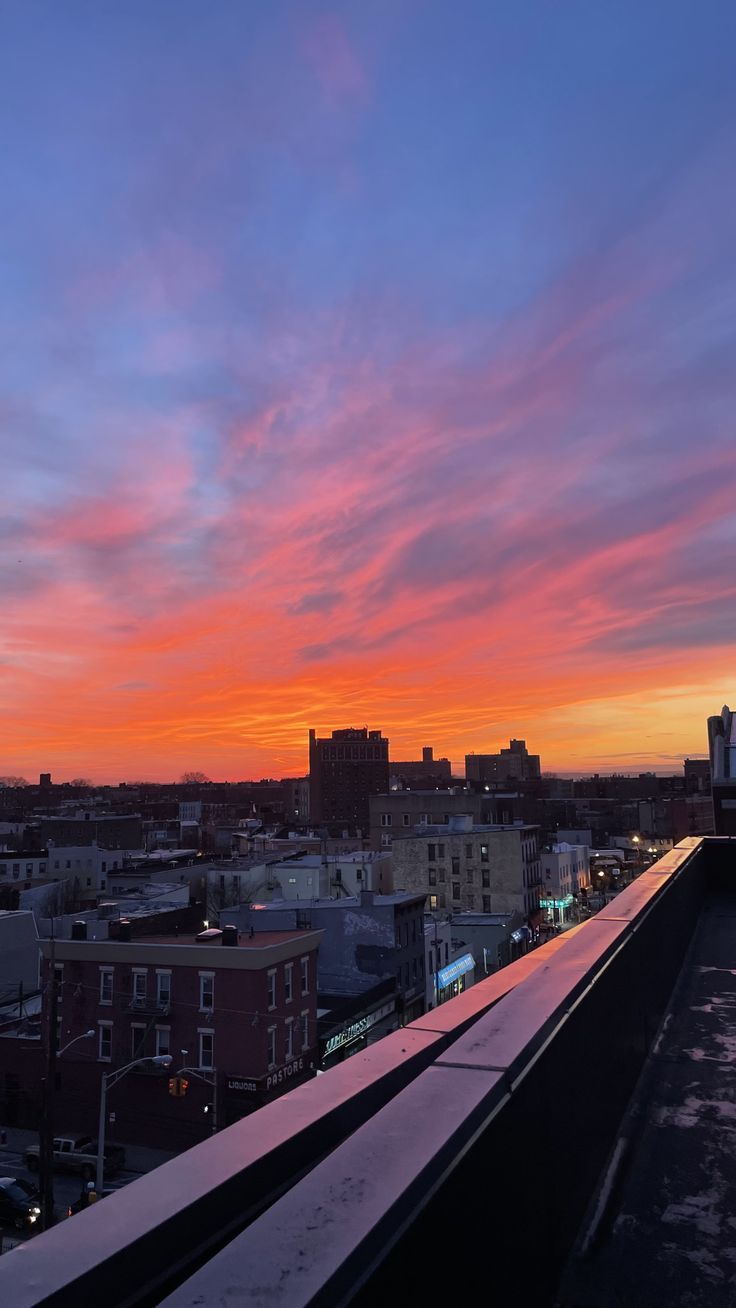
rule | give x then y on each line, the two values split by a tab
78	1153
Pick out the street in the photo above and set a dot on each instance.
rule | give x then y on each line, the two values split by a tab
67	1186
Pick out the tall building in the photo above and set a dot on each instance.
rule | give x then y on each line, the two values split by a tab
512	764
344	770
722	747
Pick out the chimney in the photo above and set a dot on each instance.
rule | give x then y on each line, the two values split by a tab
79	930
124	932
230	935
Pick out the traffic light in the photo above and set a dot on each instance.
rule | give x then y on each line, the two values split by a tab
183	1085
178	1086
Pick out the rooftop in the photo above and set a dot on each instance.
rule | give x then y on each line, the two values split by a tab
594	1077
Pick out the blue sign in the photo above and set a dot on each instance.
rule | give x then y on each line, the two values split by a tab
447	975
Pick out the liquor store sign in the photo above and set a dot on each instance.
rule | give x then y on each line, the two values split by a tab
279	1076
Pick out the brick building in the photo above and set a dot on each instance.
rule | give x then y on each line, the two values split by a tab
344	769
240	1009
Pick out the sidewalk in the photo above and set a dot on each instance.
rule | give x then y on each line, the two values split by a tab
138	1158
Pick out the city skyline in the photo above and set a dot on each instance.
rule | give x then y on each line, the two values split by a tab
364	366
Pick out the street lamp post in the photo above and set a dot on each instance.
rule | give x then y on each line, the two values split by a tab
110	1079
86	1035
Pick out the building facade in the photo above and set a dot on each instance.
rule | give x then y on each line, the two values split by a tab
344	770
398	813
463	867
512	764
240	1011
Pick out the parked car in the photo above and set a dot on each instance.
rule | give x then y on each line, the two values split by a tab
78	1153
19	1203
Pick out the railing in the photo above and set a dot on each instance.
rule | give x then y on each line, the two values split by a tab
480	1129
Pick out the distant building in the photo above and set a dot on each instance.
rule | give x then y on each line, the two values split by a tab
344	770
110	831
512	764
697	774
402	811
466	867
425	773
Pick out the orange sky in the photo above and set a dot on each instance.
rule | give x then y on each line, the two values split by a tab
345	382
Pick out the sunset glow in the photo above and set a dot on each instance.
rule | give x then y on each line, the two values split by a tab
365	364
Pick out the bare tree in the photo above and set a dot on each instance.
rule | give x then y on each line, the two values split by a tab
194	778
82	782
13	781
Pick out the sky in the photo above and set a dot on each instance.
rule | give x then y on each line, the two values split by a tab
365	364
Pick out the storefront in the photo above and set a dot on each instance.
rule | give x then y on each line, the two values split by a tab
241	1096
348	1037
454	978
557	911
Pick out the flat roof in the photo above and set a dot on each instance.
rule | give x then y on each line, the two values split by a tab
259	940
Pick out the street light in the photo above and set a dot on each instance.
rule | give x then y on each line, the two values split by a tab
86	1035
109	1079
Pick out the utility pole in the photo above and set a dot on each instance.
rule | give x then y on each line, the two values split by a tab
48	1086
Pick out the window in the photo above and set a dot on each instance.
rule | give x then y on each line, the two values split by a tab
442	875
288	983
137	1034
289	1037
431	852
484	853
140	985
440	851
206	992
305	1029
89	882
163	1041
433	876
163	989
468	851
105	1051
3	869
385	839
385	819
469	876
206	1050
486	875
405	819
42	869
456	867
272	988
456	890
29	869
414	970
432	902
305	976
424	819
271	1046
106	976
442	899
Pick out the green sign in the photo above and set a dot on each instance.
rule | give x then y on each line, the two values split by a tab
556	903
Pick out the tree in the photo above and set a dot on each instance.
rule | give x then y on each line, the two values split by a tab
13	781
82	782
194	778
